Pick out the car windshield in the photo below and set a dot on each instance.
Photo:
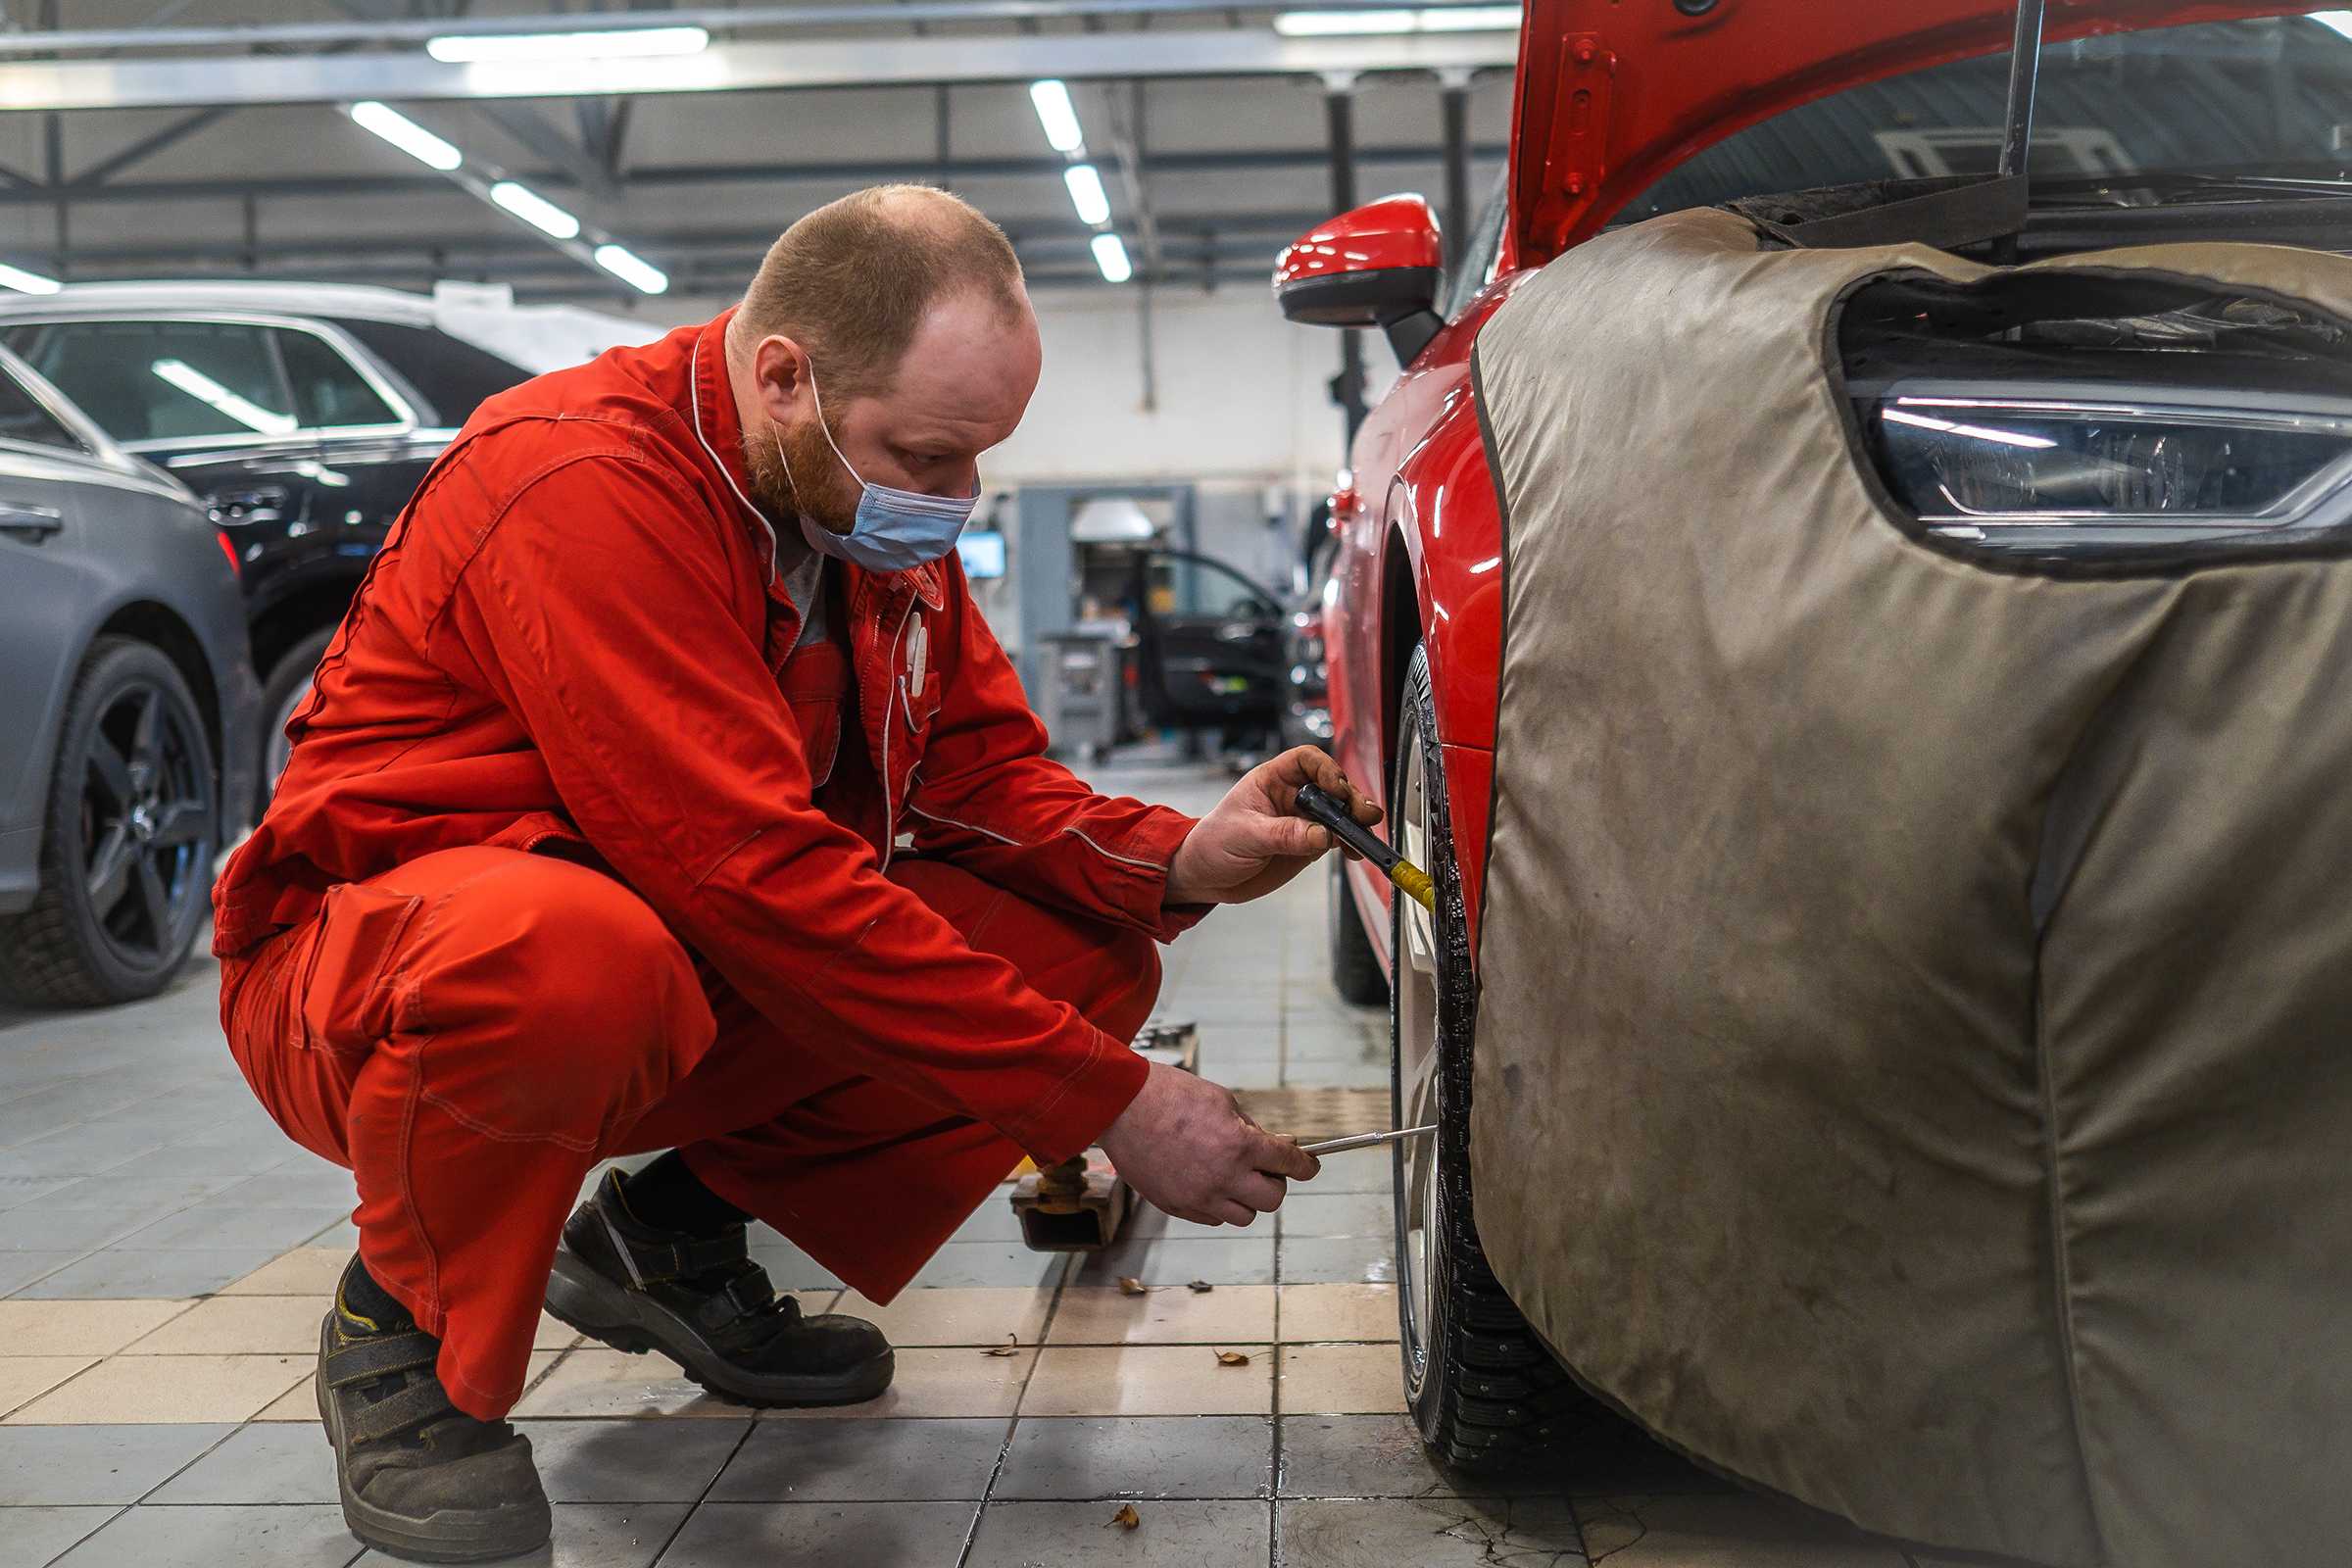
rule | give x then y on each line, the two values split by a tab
2262	96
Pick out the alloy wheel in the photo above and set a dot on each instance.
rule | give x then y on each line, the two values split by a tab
1415	969
146	822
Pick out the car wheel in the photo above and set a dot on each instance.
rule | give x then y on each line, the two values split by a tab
288	684
1481	1386
126	852
1354	966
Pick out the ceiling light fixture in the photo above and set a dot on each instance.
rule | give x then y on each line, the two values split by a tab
24	283
404	133
631	268
612	43
1348	24
1087	193
535	209
1057	114
1110	256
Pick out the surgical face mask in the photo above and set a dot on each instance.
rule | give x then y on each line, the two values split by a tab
894	530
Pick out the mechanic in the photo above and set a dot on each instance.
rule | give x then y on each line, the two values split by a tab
590	846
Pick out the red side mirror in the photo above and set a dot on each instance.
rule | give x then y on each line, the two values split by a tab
1378	265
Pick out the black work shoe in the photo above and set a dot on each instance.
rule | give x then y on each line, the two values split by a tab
702	1302
420	1479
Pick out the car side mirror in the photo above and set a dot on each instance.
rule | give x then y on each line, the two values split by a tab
1378	265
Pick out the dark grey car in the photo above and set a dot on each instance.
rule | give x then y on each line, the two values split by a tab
128	708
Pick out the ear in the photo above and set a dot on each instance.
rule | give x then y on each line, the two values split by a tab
780	372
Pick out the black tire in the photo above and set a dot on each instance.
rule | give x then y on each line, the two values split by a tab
127	844
1354	968
288	683
1481	1386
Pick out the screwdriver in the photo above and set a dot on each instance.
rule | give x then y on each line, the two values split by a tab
1317	806
1337	1145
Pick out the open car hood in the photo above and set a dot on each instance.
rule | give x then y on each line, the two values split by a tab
1612	95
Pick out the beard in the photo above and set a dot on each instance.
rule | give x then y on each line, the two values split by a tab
804	480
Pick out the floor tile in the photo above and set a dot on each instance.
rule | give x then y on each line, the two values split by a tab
21	1269
1167	1314
301	1401
250	1537
987	1263
304	1271
1338	1312
1341	1380
1355	1170
31	1537
622	1535
201	1387
214	1225
250	1325
1429	1532
1150	1379
1074	1457
155	1193
837	1535
993	1221
121	1272
977	1315
864	1461
258	1464
1244	1260
788	1267
34	1228
1318	1073
78	1328
235	1159
1337	1260
936	1383
1081	1534
24	1378
65	1465
1723	1530
597	1382
630	1461
1311	1213
1373	1457
317	1187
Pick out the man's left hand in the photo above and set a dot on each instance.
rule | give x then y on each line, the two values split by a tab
1251	844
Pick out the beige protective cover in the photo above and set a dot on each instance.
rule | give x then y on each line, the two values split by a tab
1792	1129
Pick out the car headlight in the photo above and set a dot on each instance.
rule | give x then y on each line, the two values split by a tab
2042	467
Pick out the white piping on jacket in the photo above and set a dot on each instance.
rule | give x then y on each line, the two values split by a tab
693	391
890	815
1069	832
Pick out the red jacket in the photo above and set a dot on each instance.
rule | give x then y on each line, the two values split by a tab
572	633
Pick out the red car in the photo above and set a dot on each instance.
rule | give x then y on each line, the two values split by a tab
2156	119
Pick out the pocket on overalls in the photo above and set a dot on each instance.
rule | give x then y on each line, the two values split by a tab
346	1004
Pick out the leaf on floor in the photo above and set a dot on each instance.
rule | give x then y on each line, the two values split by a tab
1011	1346
1232	1359
1129	1285
1126	1518
1199	1287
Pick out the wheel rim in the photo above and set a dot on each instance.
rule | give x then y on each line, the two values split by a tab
146	823
1416	991
276	750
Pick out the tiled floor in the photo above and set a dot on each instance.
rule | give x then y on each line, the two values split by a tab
165	1254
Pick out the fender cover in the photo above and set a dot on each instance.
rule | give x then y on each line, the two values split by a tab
1911	1067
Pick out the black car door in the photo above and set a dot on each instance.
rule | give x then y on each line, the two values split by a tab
1209	642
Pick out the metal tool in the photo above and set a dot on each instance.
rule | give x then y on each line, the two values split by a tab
1079	1204
1339	1146
1318	806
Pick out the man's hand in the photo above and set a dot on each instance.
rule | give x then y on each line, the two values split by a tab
1184	1144
1250	844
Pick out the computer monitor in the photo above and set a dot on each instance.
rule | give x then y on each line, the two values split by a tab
983	552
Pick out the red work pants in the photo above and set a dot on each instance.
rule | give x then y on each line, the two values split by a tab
471	1033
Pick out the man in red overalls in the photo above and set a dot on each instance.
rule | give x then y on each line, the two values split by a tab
592	844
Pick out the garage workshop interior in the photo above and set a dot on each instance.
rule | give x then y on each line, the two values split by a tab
1052	783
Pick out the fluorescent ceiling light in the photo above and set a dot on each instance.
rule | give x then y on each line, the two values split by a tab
1086	193
631	268
1111	255
2340	20
405	133
1452	18
535	209
204	389
612	43
24	283
1057	114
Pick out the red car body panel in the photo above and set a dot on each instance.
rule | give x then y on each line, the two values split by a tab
1609	98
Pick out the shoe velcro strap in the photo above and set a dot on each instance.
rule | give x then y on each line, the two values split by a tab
413	1406
380	1356
690	1256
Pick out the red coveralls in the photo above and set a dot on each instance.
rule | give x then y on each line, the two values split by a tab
573	859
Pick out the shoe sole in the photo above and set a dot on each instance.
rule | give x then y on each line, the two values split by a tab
631	1320
445	1536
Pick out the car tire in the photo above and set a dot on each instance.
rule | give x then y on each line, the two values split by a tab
1482	1387
128	843
1355	972
288	684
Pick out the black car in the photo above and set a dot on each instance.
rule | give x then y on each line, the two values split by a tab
302	417
1208	648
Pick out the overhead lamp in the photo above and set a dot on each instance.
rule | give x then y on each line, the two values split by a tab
535	209
1087	193
405	133
24	283
1057	114
204	389
1448	19
631	268
1110	256
2340	20
611	43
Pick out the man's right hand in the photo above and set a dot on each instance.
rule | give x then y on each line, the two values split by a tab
1184	1144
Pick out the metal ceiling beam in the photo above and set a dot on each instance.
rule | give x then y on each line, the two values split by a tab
147	146
532	130
193	81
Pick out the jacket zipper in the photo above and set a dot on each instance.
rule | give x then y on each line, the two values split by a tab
890	812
